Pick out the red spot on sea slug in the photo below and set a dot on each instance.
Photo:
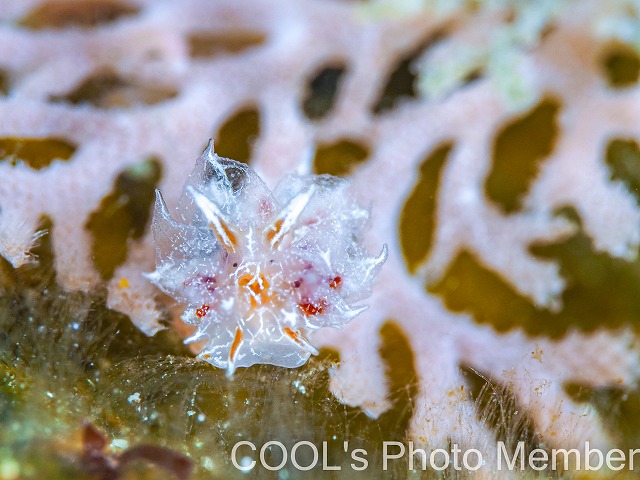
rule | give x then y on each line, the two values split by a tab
310	308
203	310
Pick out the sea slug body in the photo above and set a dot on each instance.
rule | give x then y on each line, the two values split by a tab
260	270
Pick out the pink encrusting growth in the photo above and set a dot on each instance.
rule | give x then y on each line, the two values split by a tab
260	270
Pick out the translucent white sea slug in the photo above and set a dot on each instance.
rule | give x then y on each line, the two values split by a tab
257	269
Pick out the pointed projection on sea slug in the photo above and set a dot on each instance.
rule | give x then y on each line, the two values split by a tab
260	270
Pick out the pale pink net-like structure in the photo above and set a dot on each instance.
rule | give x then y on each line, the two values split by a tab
151	48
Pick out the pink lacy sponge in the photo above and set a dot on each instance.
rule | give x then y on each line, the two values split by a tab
260	269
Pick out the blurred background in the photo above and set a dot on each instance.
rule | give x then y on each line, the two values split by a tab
496	142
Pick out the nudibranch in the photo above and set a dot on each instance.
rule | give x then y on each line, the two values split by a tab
260	270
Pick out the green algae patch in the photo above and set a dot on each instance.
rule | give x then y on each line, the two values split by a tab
55	347
236	136
339	158
418	217
191	407
518	151
66	359
123	215
601	292
37	153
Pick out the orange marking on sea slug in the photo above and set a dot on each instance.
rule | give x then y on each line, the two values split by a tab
231	241
273	230
259	288
236	343
297	337
123	283
336	282
203	310
292	334
230	234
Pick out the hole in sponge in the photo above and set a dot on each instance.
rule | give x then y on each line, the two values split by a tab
37	153
322	91
236	137
396	352
623	160
618	407
621	66
468	286
417	220
518	150
61	14
601	292
211	44
107	90
401	81
339	158
5	82
123	215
